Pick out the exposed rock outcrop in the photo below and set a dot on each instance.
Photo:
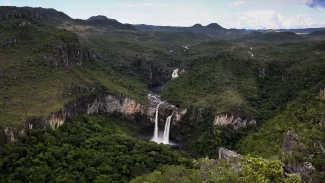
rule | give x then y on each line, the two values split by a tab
291	142
232	157
237	122
179	114
292	145
109	103
71	51
227	154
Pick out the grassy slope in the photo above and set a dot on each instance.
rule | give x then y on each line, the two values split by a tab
33	86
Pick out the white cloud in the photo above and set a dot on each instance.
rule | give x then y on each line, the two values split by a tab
323	23
237	3
6	4
143	5
269	19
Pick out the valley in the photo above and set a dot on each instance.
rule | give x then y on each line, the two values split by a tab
97	100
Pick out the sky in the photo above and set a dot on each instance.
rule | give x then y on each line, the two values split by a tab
249	14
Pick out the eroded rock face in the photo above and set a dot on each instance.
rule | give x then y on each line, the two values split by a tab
57	119
9	134
227	154
109	104
69	52
237	122
292	145
290	142
179	114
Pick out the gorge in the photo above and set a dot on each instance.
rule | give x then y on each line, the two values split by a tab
97	100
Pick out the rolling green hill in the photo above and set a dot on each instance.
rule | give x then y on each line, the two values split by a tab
272	37
317	33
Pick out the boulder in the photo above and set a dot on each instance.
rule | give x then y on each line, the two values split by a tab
227	154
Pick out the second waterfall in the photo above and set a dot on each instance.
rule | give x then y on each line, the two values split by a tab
165	138
167	129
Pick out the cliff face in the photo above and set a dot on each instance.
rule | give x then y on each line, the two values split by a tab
71	51
109	103
292	145
237	122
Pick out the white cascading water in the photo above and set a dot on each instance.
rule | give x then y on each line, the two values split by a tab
167	130
160	138
175	74
155	135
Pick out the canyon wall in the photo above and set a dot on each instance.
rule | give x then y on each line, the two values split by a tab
108	103
236	121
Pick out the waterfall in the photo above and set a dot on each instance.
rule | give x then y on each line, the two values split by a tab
165	138
175	74
167	129
155	135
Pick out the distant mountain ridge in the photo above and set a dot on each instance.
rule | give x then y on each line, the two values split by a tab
101	20
54	17
214	26
212	29
48	15
211	26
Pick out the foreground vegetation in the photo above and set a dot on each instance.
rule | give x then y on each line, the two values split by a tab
104	149
253	170
86	149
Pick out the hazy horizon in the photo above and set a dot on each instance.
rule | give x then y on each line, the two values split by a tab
253	14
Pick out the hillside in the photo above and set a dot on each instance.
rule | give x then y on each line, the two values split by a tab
58	68
63	66
272	37
317	33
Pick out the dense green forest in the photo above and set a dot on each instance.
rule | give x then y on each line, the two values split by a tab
85	149
104	148
254	170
